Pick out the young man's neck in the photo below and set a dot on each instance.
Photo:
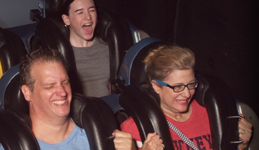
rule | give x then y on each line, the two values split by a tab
82	43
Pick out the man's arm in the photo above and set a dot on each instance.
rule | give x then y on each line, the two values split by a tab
123	140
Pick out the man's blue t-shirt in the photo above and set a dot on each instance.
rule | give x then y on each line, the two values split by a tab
77	140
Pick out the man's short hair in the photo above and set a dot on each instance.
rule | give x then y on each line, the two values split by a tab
40	55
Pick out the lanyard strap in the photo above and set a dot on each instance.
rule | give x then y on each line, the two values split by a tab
182	136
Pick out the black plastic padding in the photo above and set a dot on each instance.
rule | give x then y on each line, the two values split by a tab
50	10
121	115
114	29
15	134
97	118
22	116
51	36
35	15
12	49
215	95
14	99
146	113
117	85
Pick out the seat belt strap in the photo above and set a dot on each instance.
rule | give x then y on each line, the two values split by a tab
182	136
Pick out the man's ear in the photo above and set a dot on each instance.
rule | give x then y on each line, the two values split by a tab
65	19
26	92
156	86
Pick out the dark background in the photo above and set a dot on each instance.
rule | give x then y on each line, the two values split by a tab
222	33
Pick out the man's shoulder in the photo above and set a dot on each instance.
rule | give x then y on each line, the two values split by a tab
76	140
1	147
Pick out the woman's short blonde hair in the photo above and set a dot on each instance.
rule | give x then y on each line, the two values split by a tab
167	58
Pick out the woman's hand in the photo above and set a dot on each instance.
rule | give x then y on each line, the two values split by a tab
245	132
123	141
153	142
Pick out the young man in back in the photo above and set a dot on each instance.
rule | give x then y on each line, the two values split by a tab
91	52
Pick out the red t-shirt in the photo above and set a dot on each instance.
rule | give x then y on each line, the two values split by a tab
196	128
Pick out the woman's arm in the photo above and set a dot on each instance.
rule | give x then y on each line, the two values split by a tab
153	142
245	132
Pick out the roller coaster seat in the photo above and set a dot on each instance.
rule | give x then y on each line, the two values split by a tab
90	113
142	106
212	93
11	50
111	27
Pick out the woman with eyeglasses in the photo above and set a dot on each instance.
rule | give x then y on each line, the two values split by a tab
171	73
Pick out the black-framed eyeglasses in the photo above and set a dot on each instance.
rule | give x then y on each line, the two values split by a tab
181	87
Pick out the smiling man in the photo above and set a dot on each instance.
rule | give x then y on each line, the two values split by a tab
45	85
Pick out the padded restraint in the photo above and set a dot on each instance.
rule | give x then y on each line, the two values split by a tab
4	82
146	113
114	29
97	118
49	34
12	50
11	96
216	97
15	134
